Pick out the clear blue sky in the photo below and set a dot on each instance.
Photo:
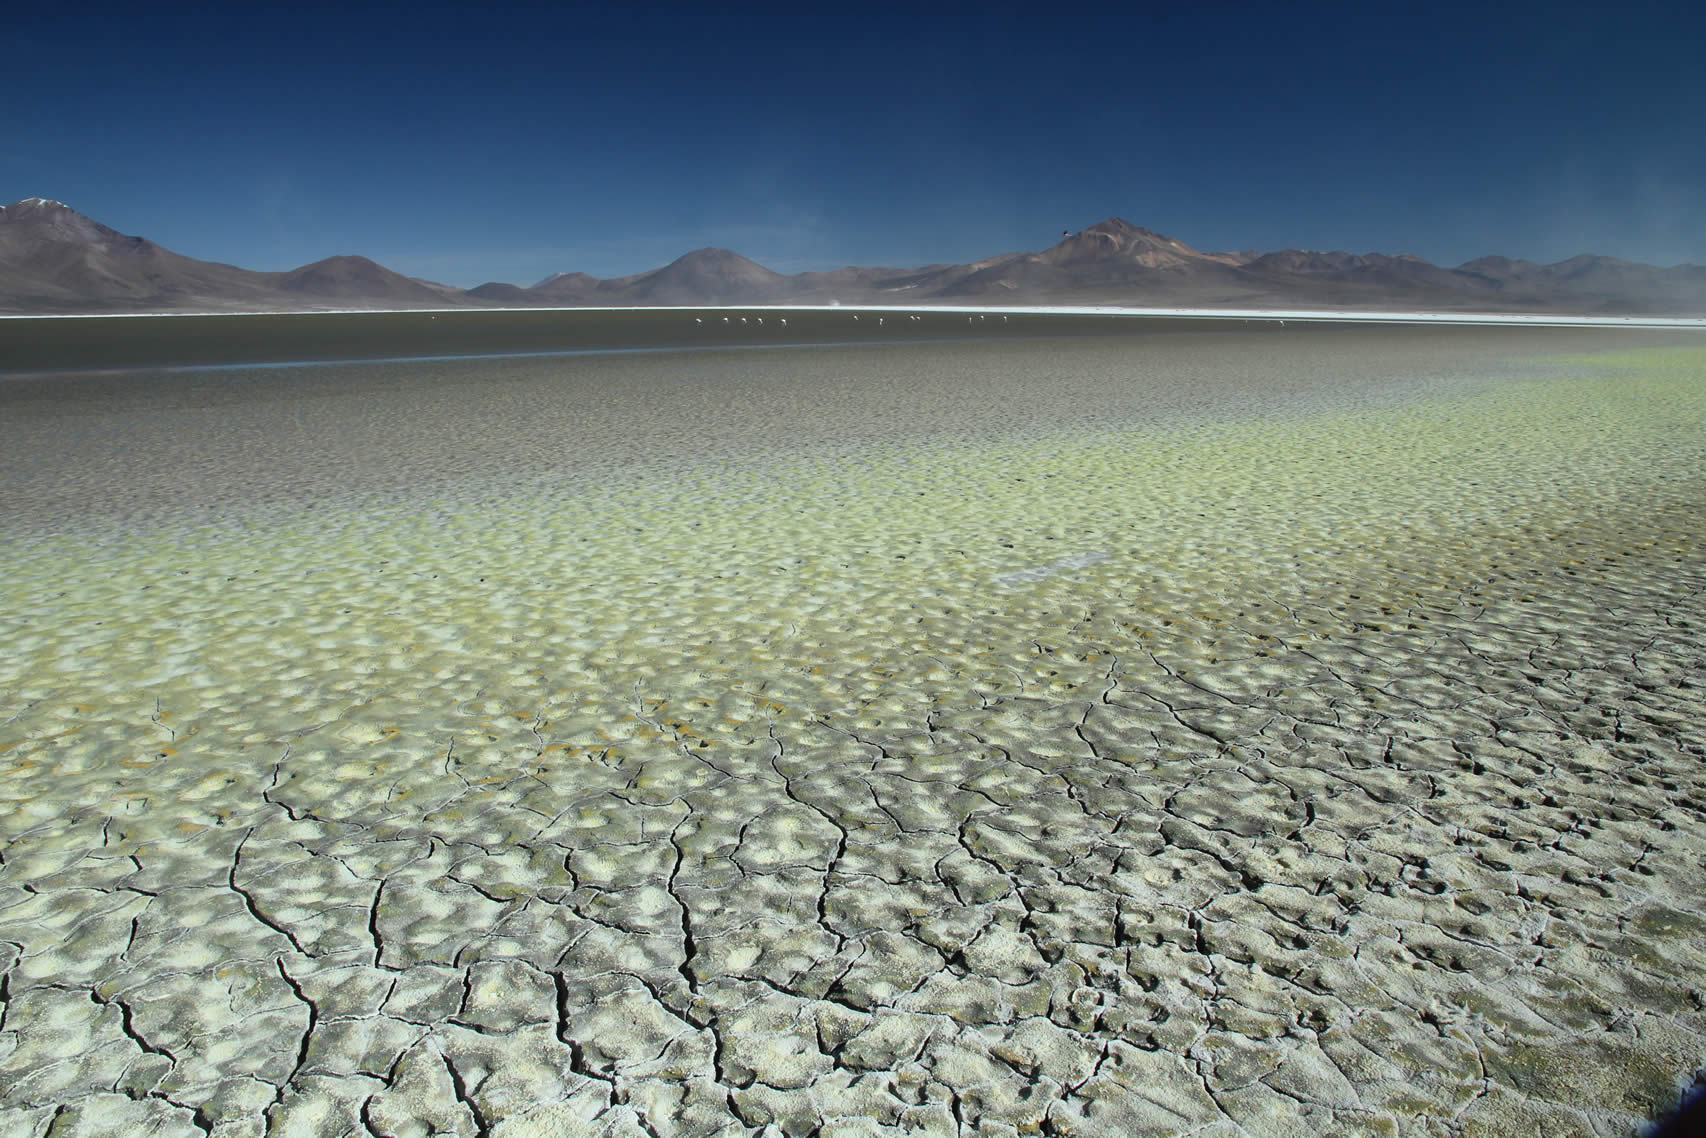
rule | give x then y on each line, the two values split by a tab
468	144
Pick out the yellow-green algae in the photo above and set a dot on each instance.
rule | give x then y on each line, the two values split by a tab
877	578
838	582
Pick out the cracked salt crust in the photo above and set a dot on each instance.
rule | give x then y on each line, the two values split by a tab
1355	789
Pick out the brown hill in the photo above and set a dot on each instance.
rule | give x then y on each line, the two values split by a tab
53	257
1606	284
497	292
566	288
1117	241
1114	254
704	276
1376	273
356	278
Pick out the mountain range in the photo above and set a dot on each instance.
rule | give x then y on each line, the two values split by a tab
55	260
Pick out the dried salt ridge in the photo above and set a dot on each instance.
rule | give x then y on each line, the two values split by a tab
1357	790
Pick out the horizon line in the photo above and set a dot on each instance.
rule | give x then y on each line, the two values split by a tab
1267	315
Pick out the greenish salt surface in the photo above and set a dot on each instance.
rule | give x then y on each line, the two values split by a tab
1331	766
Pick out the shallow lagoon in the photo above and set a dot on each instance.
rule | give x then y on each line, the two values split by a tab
1283	730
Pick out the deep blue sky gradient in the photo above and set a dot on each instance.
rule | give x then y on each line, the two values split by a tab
469	144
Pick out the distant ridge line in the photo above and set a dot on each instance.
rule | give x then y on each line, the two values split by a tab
54	260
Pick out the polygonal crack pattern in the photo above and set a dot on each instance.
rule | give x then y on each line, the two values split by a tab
1345	856
1446	873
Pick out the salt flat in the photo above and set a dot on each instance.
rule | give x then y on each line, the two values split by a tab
1194	734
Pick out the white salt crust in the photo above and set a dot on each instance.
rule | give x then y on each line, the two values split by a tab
1321	756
